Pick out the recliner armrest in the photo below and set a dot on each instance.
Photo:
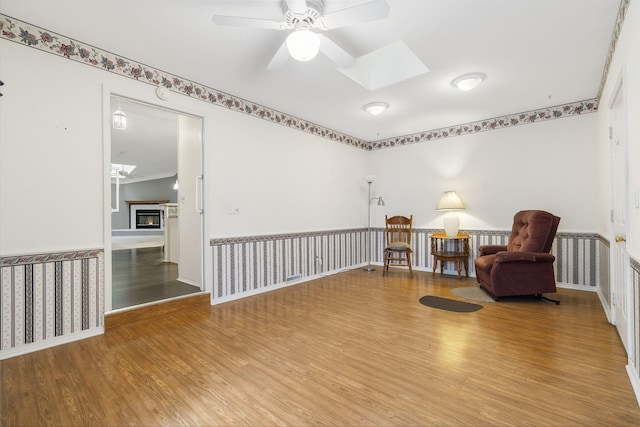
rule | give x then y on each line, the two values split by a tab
491	249
539	257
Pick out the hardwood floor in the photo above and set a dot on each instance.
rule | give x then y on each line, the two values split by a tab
141	276
354	348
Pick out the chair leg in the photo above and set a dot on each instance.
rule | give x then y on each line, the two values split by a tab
409	262
385	265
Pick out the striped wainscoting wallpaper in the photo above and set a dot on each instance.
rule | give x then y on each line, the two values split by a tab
49	297
247	265
604	288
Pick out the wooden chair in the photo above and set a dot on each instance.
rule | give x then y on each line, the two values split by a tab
398	242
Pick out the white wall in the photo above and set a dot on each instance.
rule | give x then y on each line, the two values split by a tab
282	180
50	153
547	165
627	60
52	162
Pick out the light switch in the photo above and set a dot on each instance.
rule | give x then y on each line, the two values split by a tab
234	211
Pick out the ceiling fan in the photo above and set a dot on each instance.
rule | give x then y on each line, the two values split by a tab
305	19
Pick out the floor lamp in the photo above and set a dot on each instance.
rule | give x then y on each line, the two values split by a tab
370	179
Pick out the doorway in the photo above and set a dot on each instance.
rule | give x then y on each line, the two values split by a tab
156	159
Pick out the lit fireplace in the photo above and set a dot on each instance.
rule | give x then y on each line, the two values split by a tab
147	218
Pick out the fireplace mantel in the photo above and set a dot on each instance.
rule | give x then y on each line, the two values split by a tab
146	202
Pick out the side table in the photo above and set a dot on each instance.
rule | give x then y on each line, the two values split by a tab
450	248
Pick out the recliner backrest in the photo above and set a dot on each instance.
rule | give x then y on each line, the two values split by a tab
533	231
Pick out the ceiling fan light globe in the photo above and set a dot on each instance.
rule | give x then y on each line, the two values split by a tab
303	45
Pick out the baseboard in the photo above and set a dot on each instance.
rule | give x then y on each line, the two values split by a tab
221	300
188	282
635	381
576	287
53	342
156	309
605	305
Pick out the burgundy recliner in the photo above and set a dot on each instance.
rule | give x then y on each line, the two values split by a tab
524	266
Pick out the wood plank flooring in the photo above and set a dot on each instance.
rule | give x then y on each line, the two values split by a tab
140	276
354	348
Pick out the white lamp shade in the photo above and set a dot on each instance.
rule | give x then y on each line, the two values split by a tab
449	201
303	45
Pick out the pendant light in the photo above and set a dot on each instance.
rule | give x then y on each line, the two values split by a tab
119	118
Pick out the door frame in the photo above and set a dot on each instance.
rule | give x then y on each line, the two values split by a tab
180	105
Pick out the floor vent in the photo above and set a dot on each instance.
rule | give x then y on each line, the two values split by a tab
294	278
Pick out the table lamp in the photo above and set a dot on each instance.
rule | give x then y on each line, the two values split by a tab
450	202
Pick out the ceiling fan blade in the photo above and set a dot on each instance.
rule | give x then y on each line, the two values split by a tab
366	12
297	6
241	21
279	59
335	52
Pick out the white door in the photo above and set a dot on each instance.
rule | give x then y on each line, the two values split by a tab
190	201
620	291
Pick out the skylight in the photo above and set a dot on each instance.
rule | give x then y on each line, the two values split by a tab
124	170
385	66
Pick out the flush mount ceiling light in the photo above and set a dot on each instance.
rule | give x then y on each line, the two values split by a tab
468	81
376	108
303	45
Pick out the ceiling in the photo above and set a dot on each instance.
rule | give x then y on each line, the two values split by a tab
149	142
534	53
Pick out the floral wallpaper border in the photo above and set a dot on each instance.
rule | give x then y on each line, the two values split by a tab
560	111
32	36
29	35
622	13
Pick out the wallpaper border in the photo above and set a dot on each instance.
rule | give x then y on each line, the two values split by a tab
617	29
496	123
9	261
284	236
29	35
